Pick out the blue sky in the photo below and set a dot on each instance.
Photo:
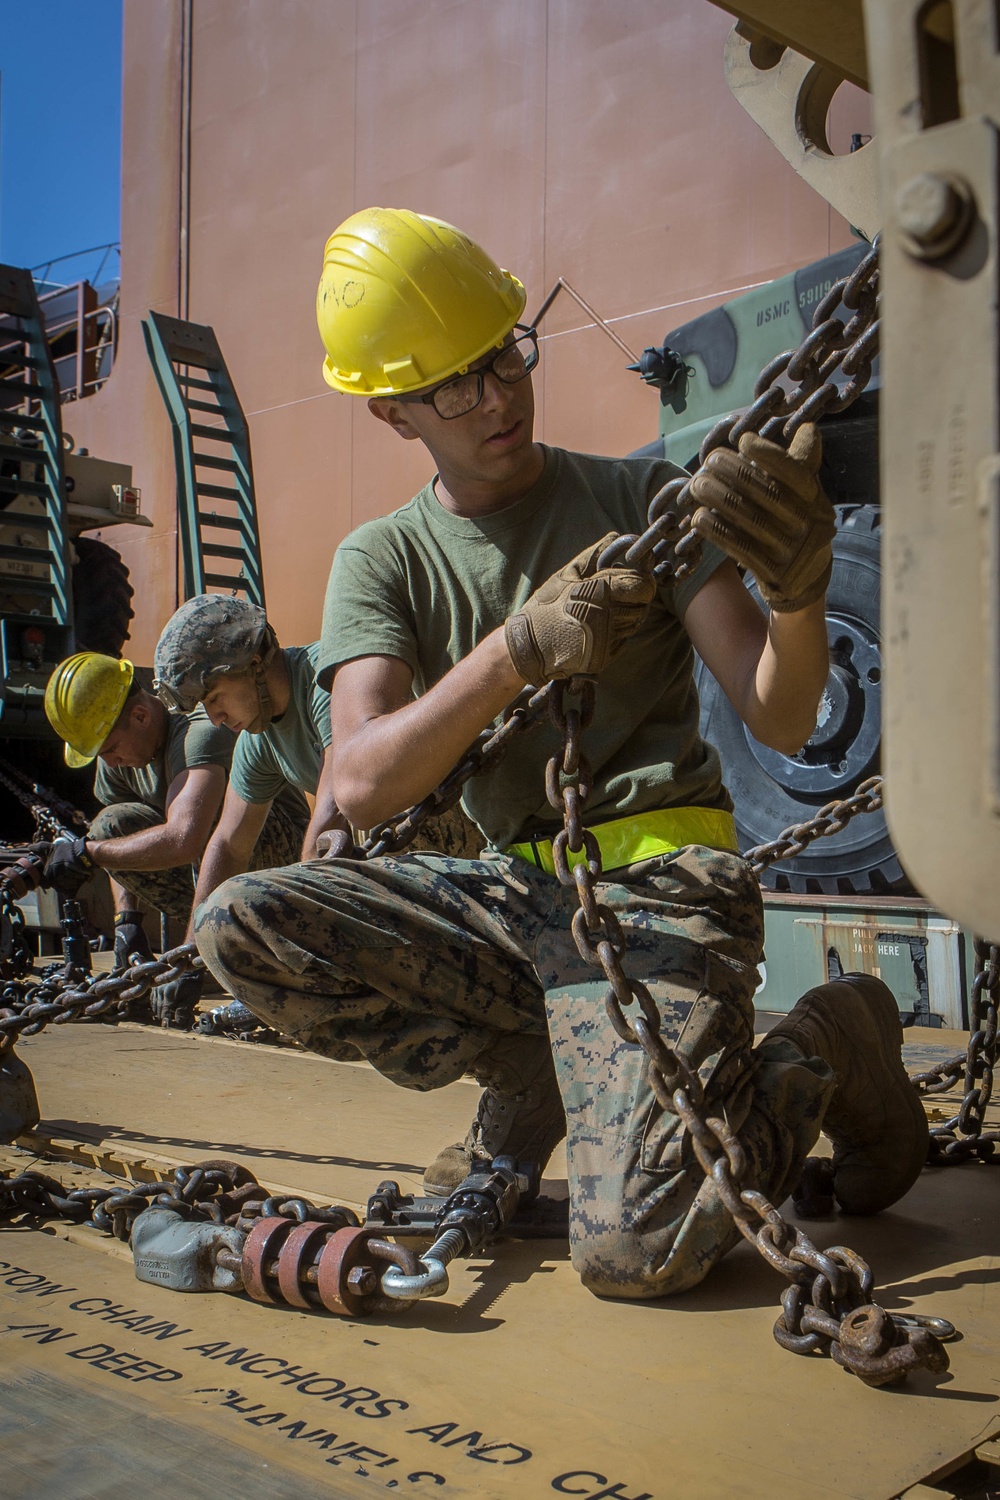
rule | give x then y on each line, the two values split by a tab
60	127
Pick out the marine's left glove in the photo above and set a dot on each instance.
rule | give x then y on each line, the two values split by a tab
173	1004
764	506
130	938
579	619
68	866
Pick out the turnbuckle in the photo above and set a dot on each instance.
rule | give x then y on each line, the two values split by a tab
480	1208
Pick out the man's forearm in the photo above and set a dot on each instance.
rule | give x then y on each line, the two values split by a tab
222	859
394	759
124	899
326	816
790	678
159	848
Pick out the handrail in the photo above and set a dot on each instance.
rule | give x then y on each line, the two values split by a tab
58	260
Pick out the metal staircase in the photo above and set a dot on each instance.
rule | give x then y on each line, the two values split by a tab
216	509
35	597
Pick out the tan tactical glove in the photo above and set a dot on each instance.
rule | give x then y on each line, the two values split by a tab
579	619
765	508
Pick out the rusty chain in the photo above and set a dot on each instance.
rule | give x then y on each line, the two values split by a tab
216	1191
831	819
52	813
16	957
828	1305
794	388
277	1249
527	710
60	1001
964	1135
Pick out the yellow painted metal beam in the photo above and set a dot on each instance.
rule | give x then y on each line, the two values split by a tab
830	32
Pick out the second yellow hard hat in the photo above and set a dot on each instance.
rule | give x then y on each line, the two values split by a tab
83	699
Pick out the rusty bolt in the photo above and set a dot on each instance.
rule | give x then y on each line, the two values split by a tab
934	212
362	1280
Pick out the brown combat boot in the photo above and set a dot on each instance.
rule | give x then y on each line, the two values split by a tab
520	1114
875	1119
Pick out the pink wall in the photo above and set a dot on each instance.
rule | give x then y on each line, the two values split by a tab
593	139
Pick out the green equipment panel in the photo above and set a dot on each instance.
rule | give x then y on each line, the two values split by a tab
926	959
718	356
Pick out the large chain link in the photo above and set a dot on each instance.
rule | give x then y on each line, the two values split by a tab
222	1192
832	818
16	956
489	749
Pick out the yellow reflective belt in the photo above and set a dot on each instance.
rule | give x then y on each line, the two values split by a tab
626	841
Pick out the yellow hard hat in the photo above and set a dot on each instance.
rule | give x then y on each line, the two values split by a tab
405	301
83	699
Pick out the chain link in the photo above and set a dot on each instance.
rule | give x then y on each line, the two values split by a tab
52	813
214	1190
16	956
964	1135
61	1000
831	819
488	750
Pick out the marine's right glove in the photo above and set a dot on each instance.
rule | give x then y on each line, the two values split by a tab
766	508
173	1004
130	937
579	619
68	866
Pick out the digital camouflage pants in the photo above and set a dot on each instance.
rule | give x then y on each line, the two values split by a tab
172	891
419	962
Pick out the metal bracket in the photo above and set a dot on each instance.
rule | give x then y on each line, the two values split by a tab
789	96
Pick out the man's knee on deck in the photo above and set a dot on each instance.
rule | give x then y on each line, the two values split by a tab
616	1264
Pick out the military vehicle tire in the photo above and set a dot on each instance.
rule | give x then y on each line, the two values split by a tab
102	597
772	791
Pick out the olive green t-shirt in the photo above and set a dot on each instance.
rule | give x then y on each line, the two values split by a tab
192	740
427	586
290	751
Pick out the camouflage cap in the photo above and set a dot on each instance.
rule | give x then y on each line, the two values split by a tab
209	635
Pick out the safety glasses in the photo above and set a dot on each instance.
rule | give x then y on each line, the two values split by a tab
463	393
